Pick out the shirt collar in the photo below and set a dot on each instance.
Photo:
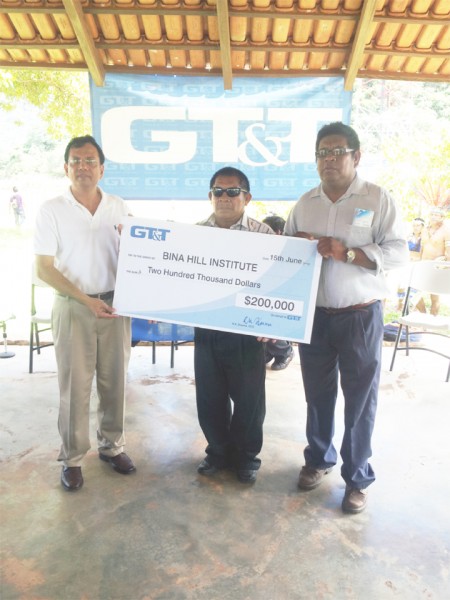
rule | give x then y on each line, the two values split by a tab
357	187
74	201
242	223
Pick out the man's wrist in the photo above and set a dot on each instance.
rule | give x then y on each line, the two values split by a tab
350	255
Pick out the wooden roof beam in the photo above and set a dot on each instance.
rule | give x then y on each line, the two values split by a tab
359	43
84	37
223	21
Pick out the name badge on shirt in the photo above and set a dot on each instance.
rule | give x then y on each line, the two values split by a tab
363	217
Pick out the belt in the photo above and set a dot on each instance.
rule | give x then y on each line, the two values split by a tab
104	296
338	311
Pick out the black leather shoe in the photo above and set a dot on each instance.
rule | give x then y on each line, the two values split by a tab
206	468
71	478
121	463
279	365
247	475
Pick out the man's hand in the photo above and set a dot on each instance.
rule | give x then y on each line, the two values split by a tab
305	235
330	247
100	309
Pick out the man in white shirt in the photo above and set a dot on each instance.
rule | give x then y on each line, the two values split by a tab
359	237
76	246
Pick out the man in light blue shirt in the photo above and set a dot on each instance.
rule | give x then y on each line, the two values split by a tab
359	237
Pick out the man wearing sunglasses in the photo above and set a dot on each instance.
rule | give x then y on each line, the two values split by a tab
359	237
230	368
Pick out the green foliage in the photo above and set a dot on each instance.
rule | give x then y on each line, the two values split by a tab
62	98
406	127
39	112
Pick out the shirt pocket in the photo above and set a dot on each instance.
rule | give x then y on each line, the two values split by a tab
358	236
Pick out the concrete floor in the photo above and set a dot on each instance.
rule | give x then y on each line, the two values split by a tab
167	533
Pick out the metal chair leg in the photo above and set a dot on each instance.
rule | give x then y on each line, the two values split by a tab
5	353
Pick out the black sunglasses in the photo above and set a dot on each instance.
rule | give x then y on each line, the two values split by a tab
232	192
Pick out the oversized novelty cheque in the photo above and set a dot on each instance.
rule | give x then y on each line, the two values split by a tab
251	283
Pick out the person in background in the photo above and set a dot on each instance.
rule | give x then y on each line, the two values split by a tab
435	246
280	351
230	367
77	246
16	204
415	246
359	236
415	239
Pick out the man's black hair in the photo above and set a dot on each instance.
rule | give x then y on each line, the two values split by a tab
231	172
339	128
275	222
79	142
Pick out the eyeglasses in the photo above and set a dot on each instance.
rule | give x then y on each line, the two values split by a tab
232	192
336	152
89	162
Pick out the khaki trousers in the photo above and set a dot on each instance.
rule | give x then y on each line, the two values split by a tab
86	346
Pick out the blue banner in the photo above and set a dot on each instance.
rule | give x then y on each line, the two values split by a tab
165	136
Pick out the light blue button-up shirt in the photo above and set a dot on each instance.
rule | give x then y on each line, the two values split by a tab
364	217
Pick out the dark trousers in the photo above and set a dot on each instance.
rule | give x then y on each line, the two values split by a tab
348	345
230	376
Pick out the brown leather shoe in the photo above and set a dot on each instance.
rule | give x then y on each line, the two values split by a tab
71	478
121	463
310	478
354	500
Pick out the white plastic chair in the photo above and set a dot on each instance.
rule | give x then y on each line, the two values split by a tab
430	277
41	314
